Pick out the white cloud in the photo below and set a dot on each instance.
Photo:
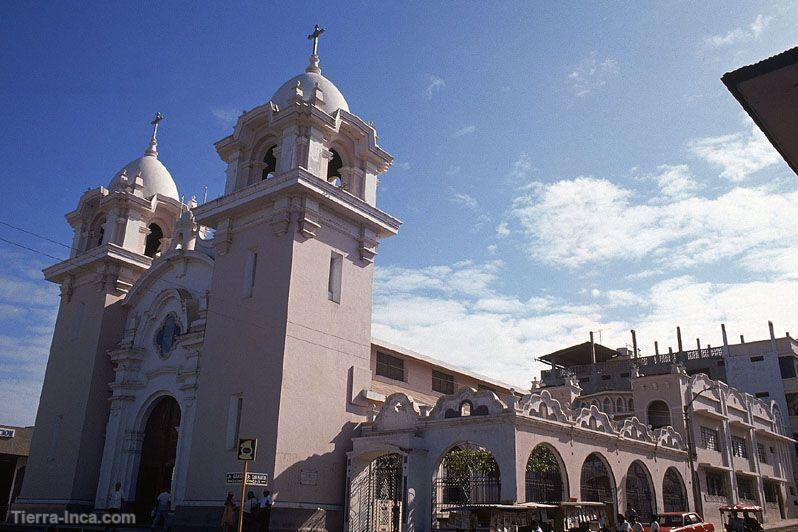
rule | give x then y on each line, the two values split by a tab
592	73
466	200
738	155
740	34
585	221
521	169
674	181
467	130
434	85
500	335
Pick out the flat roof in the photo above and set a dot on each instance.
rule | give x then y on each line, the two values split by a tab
579	354
768	92
441	364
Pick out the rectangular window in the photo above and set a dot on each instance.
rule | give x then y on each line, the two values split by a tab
716	484
709	439
762	395
757	359
761	454
745	488
77	320
390	366
334	280
739	449
442	382
55	436
606	377
250	267
234	412
787	367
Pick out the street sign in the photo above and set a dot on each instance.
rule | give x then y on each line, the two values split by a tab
253	479
247	448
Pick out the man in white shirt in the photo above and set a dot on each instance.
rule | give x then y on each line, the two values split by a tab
536	527
162	507
264	513
115	499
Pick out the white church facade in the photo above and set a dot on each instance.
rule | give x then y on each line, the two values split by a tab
183	327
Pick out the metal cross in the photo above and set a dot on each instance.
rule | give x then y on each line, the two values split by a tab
317	31
155	121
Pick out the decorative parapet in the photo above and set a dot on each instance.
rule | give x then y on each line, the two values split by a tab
543	405
634	429
477	403
594	419
397	413
669	438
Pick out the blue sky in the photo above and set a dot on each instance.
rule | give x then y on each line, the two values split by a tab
560	168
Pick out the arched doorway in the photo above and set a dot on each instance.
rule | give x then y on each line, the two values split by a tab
639	492
596	482
376	496
674	494
158	453
544	476
659	415
467	474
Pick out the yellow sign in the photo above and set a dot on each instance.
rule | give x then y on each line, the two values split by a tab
247	448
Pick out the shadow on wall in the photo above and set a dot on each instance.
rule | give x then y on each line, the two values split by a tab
313	475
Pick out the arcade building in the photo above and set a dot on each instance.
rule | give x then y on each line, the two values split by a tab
183	327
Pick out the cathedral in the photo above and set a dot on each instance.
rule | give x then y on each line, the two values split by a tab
184	327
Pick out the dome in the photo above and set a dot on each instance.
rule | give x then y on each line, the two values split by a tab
157	179
333	99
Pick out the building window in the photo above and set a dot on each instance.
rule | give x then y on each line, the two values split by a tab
606	377
234	421
762	395
269	164
442	382
716	484
334	280
334	168
757	359
739	449
771	492
390	367
250	267
787	367
745	488
760	452
153	242
709	439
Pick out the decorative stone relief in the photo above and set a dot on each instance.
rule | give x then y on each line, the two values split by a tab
634	429
543	405
397	413
668	437
594	419
465	402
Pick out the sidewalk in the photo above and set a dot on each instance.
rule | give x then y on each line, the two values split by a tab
788	525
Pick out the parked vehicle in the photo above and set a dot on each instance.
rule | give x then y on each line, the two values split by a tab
682	522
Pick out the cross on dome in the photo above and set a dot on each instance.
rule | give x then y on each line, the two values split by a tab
313	65
152	149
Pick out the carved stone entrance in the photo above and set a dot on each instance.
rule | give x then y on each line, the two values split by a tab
158	453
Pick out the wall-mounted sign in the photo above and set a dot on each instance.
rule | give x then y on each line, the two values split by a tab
7	433
308	477
247	448
253	479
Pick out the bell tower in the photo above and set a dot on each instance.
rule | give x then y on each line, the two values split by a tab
117	232
288	332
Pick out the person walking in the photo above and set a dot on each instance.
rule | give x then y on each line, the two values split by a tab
623	524
163	503
265	510
654	525
229	513
250	512
636	526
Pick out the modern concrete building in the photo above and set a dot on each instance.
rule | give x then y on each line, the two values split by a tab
14	450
